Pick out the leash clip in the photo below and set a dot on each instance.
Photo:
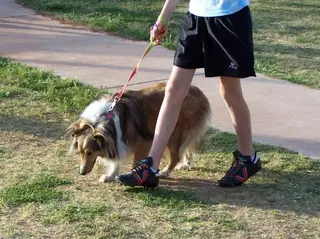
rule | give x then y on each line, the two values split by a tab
112	105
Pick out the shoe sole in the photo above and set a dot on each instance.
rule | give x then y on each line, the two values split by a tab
146	186
238	184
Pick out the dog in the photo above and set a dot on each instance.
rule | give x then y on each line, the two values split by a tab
128	130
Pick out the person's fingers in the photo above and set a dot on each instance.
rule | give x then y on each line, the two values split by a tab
154	31
157	34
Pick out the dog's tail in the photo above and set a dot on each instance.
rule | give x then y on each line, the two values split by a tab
195	136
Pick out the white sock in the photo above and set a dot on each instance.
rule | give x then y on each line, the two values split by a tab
254	157
155	171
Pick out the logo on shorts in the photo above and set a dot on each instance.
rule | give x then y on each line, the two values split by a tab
233	66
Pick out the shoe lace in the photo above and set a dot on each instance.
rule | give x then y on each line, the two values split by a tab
137	167
237	164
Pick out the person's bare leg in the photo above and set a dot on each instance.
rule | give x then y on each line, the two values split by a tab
176	90
231	92
246	162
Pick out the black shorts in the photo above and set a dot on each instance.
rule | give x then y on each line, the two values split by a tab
223	46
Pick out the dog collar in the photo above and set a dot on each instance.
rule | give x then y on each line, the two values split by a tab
109	115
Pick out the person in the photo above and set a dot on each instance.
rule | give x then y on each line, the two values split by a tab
216	35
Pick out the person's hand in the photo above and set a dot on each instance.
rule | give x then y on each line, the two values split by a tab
159	30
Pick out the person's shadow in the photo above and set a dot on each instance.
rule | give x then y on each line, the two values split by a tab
287	187
295	192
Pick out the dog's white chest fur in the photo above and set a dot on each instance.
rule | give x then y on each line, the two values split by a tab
98	108
94	111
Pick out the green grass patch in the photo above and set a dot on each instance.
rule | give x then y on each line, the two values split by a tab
42	193
286	33
39	190
66	95
83	212
80	212
167	198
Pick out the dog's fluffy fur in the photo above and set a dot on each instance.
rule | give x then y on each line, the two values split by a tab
130	129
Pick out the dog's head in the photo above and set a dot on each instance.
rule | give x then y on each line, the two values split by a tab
91	142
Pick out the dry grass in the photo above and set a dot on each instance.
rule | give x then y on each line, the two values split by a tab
43	196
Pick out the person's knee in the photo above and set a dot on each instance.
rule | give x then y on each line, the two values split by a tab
175	93
230	89
178	85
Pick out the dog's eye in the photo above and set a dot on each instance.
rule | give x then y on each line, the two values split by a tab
88	153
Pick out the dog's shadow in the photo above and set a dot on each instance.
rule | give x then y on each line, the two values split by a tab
292	192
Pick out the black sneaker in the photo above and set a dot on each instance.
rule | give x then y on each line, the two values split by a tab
140	175
241	170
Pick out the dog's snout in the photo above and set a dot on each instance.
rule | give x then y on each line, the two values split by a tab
82	171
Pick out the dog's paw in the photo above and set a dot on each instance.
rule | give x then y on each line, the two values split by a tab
164	173
106	178
183	166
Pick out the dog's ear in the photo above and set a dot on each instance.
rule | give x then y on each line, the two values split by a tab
100	139
73	147
106	145
85	124
77	127
73	129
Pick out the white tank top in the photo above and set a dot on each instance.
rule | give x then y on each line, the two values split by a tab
214	8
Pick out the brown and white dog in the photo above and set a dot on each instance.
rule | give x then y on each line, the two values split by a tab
129	130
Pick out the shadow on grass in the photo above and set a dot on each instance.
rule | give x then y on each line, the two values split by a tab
44	129
289	183
291	192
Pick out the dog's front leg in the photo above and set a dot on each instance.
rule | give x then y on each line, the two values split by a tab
112	170
187	162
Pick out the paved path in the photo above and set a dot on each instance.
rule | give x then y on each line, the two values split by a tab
283	114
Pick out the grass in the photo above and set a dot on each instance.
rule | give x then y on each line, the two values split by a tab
286	33
68	95
40	190
43	196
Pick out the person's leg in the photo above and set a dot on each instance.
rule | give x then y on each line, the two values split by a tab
229	54
187	58
246	161
231	93
144	174
176	90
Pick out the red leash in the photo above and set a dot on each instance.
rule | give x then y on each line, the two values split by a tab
135	70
